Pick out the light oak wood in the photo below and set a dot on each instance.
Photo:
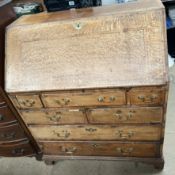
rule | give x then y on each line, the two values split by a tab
146	96
125	115
112	46
86	98
104	62
56	116
113	149
29	101
99	132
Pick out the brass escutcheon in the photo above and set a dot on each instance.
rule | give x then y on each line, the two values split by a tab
78	25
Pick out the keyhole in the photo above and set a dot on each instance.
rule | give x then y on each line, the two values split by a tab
78	26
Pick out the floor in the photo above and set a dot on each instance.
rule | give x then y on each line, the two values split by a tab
29	166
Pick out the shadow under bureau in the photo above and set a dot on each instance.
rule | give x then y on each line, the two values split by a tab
92	83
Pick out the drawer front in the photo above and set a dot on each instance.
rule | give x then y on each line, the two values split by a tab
11	133
59	116
100	149
16	150
6	115
126	115
96	132
29	101
2	101
90	98
146	96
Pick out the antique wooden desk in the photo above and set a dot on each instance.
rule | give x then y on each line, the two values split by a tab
92	83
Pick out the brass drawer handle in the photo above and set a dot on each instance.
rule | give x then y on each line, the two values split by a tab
55	117
123	135
18	151
28	103
122	117
141	97
1	117
153	97
101	99
64	101
112	98
69	150
125	150
8	135
147	98
91	129
62	134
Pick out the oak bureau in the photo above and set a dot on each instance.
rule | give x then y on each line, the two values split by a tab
92	83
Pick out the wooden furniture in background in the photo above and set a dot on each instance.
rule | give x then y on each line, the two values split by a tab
15	139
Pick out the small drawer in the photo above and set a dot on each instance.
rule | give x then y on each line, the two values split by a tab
6	116
29	101
16	150
11	133
84	98
97	132
113	149
59	116
146	96
125	115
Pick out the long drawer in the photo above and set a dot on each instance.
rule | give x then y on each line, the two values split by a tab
101	149
11	133
97	132
16	150
125	115
84	98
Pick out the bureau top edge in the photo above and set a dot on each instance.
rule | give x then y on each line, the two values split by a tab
164	86
117	9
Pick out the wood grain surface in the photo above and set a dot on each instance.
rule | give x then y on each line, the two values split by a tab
125	115
54	116
17	150
106	47
96	132
113	149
